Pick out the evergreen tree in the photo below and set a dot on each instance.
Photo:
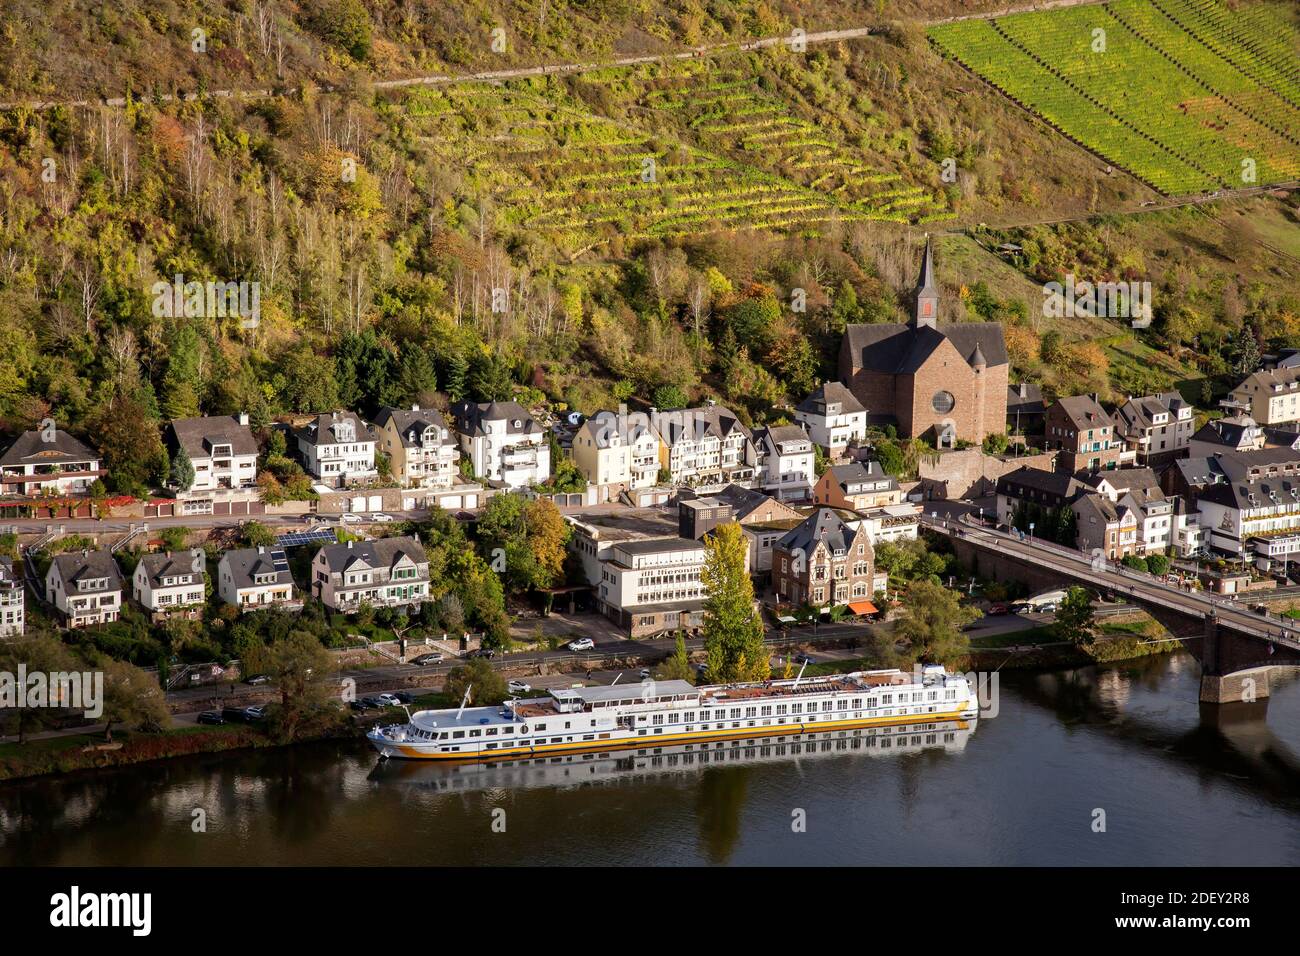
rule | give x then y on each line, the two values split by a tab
733	632
455	377
182	471
678	665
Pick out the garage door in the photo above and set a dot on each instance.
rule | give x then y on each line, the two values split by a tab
376	503
358	503
471	501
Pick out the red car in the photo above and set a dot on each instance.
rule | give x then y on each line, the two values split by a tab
997	609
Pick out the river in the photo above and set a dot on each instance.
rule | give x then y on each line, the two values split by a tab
1177	784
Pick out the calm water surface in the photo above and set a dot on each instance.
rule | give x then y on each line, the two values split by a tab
1179	785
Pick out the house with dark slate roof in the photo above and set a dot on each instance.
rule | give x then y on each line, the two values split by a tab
834	418
943	381
49	461
385	572
171	584
85	587
787	462
421	449
252	578
338	449
825	561
221	449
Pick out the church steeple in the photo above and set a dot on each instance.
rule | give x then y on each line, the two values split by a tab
927	291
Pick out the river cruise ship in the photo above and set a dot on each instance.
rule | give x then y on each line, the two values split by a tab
651	760
575	719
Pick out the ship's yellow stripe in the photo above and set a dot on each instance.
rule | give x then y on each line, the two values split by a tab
628	743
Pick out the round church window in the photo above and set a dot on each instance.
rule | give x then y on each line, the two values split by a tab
943	402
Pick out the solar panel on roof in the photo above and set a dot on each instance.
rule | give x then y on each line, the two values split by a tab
295	538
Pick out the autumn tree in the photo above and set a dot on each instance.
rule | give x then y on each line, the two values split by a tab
133	698
931	623
733	632
300	667
1074	619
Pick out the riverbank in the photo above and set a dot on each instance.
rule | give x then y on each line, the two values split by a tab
70	753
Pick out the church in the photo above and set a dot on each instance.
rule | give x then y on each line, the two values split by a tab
942	382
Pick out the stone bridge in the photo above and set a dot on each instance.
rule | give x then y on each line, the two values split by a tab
1235	647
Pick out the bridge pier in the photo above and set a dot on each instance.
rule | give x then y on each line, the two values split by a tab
1241	687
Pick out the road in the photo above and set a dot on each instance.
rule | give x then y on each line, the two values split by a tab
496	76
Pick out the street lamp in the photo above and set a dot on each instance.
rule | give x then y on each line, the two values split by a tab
1031	529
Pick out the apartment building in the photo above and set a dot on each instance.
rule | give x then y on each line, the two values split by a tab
1083	434
708	448
1156	428
615	454
653	586
85	587
503	443
12	601
422	451
1270	397
787	462
386	572
338	449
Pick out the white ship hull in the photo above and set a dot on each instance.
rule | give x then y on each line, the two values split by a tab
672	713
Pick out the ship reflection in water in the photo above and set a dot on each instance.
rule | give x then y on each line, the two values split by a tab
571	770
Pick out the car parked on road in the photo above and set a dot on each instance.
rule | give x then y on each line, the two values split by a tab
518	686
425	659
254	713
645	673
484	652
257	679
404	697
998	609
359	705
211	717
235	715
581	644
351	519
388	700
381	517
805	659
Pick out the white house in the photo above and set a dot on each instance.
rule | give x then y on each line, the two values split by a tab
48	462
85	587
834	418
252	578
170	584
788	462
338	448
221	449
504	443
12	601
386	572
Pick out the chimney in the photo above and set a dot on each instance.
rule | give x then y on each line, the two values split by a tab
1024	389
243	419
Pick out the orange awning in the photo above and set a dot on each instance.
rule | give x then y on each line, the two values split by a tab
862	607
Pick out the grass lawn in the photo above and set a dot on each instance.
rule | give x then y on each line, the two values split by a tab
1034	635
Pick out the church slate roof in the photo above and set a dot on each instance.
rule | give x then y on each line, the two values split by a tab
898	349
